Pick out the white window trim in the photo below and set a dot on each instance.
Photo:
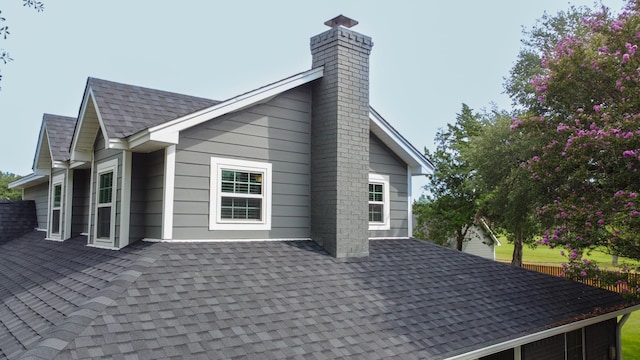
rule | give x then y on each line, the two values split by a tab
104	167
386	211
57	180
217	165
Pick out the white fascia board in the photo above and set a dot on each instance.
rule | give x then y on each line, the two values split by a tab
38	146
118	144
76	132
77	155
492	349
138	139
28	181
168	132
60	165
420	165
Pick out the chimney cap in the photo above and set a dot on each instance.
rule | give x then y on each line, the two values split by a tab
341	20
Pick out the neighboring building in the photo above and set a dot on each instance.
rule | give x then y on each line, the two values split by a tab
210	185
479	240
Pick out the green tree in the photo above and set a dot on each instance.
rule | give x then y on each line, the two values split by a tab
450	206
538	40
509	195
5	192
4	29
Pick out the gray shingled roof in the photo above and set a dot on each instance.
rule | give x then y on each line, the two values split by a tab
59	132
267	300
128	109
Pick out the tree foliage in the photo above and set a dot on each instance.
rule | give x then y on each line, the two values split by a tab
4	29
509	197
538	40
5	192
450	207
588	138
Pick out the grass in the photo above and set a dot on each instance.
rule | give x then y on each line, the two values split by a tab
544	256
631	337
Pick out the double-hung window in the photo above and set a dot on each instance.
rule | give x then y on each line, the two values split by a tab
105	217
240	195
56	205
379	212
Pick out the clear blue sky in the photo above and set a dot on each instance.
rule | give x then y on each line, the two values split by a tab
428	56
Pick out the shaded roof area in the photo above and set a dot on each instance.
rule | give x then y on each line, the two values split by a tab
59	132
236	300
127	109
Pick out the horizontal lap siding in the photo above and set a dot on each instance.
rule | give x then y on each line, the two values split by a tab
383	162
147	177
277	132
80	211
39	194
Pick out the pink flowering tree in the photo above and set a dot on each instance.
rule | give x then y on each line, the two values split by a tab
589	128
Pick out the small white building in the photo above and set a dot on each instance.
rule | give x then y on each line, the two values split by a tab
480	240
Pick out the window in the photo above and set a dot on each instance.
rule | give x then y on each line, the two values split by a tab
379	218
106	190
56	206
573	343
105	199
240	195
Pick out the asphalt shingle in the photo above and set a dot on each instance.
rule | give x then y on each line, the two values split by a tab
268	300
127	109
59	132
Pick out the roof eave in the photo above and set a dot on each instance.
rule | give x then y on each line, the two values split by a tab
510	344
417	162
28	181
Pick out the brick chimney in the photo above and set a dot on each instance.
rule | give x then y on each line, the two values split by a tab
340	140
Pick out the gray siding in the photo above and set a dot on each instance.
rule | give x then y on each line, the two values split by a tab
599	338
551	348
80	206
147	177
101	155
39	194
277	132
382	161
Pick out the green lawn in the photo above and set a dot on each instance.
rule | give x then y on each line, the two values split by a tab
545	256
631	338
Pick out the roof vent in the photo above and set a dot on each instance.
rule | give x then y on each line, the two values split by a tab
341	20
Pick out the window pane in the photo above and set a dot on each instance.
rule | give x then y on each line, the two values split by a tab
375	192
104	222
105	191
375	213
55	221
57	195
240	182
241	208
574	345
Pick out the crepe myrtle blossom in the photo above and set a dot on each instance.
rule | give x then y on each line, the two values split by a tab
587	138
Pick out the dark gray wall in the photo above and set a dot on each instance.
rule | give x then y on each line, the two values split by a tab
40	195
599	338
147	177
340	142
546	349
277	132
382	161
16	218
101	155
80	205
